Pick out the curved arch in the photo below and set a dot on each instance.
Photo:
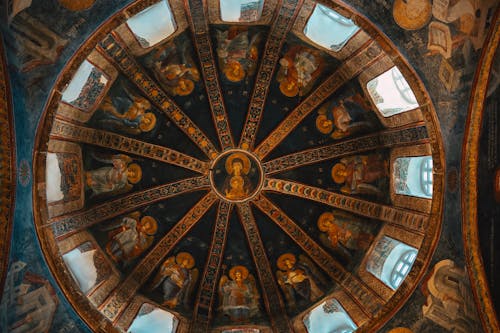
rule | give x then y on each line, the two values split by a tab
470	155
7	168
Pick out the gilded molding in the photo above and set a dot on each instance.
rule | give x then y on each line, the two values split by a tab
7	167
470	161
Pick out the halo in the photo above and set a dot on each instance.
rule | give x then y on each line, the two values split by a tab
77	5
400	330
150	225
229	72
408	20
287	90
240	156
323	124
137	173
181	256
282	258
323	219
339	167
187	89
152	122
242	269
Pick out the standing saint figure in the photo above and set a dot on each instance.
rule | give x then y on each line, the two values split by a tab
343	231
114	179
238	54
359	174
298	279
130	237
237	185
178	276
239	295
299	69
135	120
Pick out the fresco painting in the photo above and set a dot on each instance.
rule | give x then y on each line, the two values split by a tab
39	46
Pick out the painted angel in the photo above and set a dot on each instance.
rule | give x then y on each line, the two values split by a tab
130	236
239	297
360	174
175	69
298	280
127	114
177	276
344	118
343	232
238	53
299	69
115	179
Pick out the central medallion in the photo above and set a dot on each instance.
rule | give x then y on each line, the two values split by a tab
236	175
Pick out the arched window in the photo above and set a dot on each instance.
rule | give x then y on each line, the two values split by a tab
340	29
86	87
391	93
413	176
151	319
402	268
329	317
153	24
241	10
391	261
426	172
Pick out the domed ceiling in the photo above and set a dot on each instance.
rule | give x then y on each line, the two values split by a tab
238	168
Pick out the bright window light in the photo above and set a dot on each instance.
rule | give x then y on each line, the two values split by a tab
86	86
241	10
153	320
329	317
329	29
391	93
153	24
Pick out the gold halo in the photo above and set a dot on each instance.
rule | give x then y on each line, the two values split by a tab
152	122
242	269
323	124
244	159
335	173
282	258
229	72
136	169
400	330
286	90
187	90
411	22
76	5
181	256
322	220
149	224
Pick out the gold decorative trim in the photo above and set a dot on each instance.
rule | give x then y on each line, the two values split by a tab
470	161
7	168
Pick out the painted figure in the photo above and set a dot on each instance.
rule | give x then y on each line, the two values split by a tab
130	237
345	118
299	69
175	69
238	53
343	232
239	295
237	184
359	174
297	279
133	121
116	179
177	276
